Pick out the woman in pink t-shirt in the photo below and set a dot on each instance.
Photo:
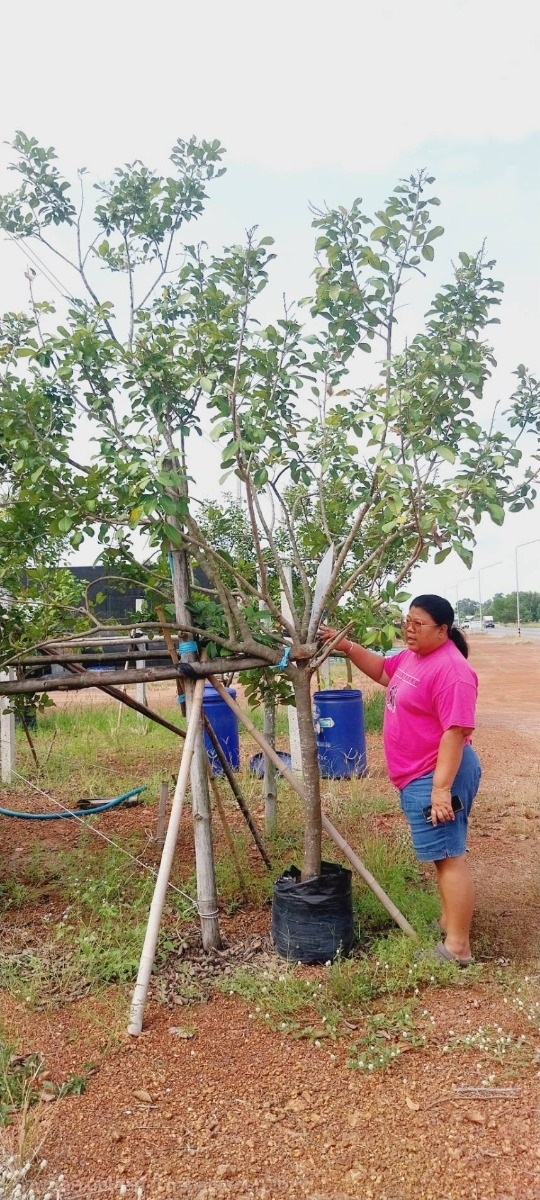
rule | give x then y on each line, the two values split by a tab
429	717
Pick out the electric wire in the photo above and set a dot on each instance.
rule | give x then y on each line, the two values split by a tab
139	862
53	279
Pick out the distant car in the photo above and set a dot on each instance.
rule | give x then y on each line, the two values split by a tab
465	625
489	624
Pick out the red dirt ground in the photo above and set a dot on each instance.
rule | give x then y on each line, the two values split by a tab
241	1111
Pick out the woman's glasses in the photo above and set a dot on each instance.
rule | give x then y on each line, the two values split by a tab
416	625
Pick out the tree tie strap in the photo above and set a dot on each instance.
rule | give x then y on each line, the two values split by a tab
280	666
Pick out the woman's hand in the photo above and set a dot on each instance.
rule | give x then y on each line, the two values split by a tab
441	805
325	634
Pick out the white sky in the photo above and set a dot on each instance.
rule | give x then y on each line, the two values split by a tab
314	103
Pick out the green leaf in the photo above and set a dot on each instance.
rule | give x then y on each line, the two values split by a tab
496	513
380	232
436	232
442	554
428	252
174	535
446	453
463	553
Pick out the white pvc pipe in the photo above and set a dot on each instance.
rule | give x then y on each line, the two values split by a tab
160	891
7	733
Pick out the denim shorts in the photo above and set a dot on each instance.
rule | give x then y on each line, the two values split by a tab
449	839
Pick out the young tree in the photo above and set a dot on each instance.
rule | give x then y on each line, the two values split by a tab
384	470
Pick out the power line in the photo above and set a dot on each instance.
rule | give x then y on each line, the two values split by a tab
49	273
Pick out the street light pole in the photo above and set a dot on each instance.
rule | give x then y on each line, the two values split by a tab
458	585
520	547
486	568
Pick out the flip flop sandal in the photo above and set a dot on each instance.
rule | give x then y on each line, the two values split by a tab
446	956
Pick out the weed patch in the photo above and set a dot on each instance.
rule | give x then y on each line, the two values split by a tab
24	1081
392	862
329	1002
390	1034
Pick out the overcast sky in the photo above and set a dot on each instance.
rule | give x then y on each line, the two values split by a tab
314	102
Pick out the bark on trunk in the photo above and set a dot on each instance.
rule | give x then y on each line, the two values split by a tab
311	774
200	796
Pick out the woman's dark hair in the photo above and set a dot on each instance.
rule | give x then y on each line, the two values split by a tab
443	614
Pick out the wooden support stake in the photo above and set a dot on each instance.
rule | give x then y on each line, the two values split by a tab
229	774
330	829
193	671
120	704
162	813
270	773
227	831
158	900
292	715
140	691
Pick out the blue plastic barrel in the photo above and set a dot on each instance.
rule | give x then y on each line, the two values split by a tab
340	732
225	725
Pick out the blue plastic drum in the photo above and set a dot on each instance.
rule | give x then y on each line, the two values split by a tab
225	725
340	732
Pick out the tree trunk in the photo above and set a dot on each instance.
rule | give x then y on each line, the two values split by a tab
311	774
200	797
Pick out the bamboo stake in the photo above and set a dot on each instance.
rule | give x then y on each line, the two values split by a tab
229	773
158	900
162	812
368	877
120	702
330	829
227	831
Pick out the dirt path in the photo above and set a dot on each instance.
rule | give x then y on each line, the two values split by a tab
505	838
241	1111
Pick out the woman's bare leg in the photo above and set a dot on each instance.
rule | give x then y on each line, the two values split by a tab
457	903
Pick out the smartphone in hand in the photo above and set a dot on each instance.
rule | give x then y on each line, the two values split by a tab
456	806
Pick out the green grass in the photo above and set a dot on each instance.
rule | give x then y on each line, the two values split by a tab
98	938
374	712
83	750
394	866
332	1002
19	1080
24	1081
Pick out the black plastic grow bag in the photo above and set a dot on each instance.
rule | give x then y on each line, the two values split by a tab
313	921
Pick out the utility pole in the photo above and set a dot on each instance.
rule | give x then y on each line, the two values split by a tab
458	585
486	568
520	547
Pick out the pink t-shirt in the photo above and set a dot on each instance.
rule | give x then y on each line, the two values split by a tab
426	695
